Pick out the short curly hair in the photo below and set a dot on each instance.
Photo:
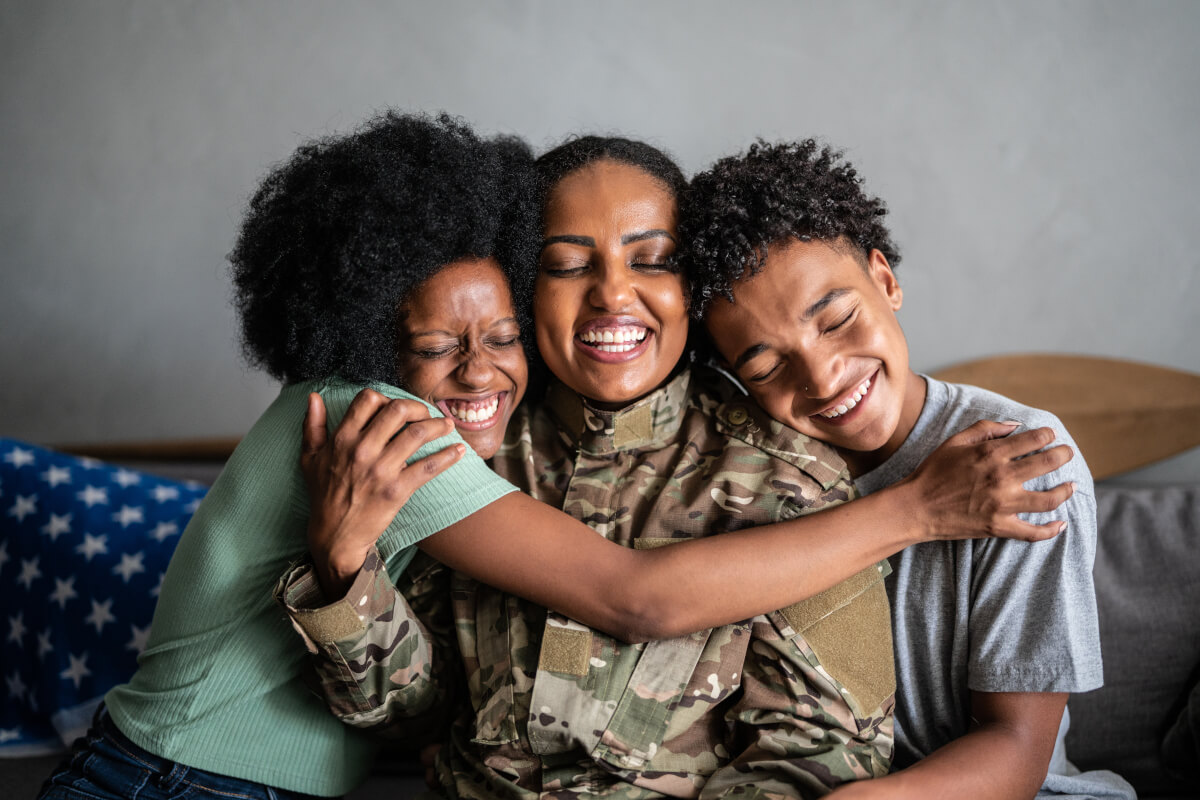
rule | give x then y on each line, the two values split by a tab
732	213
337	236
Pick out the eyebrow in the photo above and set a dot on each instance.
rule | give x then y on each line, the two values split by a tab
818	306
653	233
582	241
588	241
758	349
495	324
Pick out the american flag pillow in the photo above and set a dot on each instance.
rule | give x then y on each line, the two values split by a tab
83	549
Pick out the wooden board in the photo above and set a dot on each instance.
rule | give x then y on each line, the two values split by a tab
1122	414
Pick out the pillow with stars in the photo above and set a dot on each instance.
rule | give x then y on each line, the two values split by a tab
83	549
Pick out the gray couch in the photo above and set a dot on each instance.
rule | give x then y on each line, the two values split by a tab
1148	590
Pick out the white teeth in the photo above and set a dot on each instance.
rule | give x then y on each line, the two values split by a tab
849	402
623	339
467	412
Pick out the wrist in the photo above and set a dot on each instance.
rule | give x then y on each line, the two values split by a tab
910	518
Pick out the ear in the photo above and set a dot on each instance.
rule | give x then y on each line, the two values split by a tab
882	276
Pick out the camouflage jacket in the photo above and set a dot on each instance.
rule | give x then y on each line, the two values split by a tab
788	704
383	656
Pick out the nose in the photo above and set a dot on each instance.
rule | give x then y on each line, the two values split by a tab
475	370
612	287
820	374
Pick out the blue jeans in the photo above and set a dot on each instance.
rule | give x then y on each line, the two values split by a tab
107	766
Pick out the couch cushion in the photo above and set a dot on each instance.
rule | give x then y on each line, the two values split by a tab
83	547
1148	596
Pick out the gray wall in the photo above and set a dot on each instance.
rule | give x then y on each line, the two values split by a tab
1040	160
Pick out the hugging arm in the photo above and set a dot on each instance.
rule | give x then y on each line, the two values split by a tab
971	484
1003	757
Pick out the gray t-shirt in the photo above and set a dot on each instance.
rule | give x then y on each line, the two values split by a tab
989	615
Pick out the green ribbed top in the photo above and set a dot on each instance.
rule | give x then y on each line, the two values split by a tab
218	686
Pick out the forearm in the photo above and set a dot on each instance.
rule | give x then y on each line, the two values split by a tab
1003	757
990	763
638	595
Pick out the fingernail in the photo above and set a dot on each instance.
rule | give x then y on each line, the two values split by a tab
1074	486
1013	422
462	448
1062	526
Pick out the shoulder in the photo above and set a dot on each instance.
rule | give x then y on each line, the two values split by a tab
735	417
964	405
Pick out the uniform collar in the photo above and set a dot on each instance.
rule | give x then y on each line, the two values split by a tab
653	420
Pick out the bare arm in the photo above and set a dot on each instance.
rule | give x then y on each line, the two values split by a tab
970	486
1003	757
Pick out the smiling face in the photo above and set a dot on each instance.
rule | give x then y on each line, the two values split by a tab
815	339
461	350
609	304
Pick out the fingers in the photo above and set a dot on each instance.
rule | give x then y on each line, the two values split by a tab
982	431
1024	443
313	436
362	409
1042	463
1044	501
1028	532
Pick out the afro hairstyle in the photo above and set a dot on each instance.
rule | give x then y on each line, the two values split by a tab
338	236
732	213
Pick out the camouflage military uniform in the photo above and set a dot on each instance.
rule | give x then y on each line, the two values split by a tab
783	705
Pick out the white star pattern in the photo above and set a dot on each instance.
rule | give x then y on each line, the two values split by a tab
93	545
16	686
56	475
16	629
23	507
164	529
44	645
131	564
164	493
76	527
77	671
126	478
101	615
91	495
57	525
129	515
63	591
19	458
138	638
30	572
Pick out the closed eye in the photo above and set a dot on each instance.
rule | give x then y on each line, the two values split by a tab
842	321
763	377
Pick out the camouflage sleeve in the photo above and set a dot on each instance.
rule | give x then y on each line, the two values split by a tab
797	734
377	652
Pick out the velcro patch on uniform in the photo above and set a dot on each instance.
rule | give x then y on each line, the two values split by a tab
654	542
635	426
803	615
566	650
849	628
331	623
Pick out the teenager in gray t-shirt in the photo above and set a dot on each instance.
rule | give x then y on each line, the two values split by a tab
992	615
790	268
